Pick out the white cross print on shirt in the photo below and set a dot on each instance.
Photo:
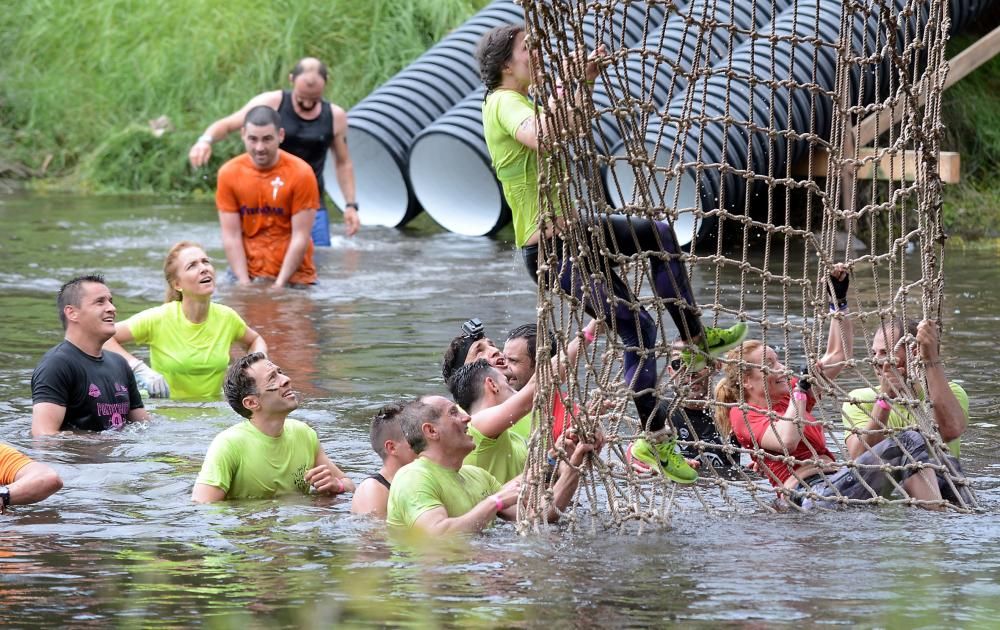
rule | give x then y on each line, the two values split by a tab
276	183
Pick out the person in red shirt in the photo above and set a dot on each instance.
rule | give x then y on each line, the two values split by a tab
768	410
267	201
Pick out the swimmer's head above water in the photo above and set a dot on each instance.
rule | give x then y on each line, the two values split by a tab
255	385
471	345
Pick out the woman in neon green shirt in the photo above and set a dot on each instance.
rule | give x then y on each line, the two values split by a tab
512	131
189	336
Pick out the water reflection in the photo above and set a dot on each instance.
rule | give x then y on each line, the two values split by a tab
123	545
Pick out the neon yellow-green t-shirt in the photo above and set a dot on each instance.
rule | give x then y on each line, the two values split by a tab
503	456
423	485
522	428
859	414
516	165
192	357
248	464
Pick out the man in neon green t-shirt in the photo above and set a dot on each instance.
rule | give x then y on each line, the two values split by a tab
495	408
869	412
267	454
439	494
473	345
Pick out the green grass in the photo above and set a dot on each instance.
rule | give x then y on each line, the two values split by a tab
971	113
80	80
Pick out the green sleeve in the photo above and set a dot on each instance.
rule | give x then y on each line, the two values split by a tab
414	494
512	110
961	396
858	414
143	325
219	467
234	323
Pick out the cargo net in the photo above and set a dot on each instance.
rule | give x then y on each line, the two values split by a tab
742	126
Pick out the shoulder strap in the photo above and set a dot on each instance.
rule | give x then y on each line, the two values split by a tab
382	480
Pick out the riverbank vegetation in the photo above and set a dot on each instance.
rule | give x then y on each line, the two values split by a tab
108	95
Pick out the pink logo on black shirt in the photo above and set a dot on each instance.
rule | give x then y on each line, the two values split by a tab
94	392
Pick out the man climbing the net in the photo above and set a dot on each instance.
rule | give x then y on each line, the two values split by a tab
512	135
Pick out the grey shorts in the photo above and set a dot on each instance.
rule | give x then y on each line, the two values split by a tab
868	479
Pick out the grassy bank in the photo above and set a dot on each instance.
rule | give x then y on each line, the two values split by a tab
81	81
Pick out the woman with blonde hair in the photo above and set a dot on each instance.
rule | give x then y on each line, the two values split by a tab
189	336
766	409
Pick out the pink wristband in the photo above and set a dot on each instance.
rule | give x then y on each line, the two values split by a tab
340	485
589	335
800	395
883	404
498	502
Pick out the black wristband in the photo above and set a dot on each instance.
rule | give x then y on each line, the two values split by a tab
353	204
803	382
837	289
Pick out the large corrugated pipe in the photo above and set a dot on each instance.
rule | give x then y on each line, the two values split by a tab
381	127
710	141
450	167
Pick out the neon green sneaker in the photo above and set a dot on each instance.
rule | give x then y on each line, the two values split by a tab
665	458
714	343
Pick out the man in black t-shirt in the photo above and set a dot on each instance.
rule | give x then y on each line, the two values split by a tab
77	385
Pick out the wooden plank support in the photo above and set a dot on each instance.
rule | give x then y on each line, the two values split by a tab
961	65
902	166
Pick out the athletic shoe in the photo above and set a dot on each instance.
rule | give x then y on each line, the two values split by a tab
665	458
714	343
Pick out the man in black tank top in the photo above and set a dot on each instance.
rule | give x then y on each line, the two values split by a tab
372	496
312	126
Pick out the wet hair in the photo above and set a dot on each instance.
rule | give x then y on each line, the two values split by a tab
170	269
466	385
728	388
412	418
71	293
529	332
309	64
385	426
494	51
238	384
454	356
899	327
261	116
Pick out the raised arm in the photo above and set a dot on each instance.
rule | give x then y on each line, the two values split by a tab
840	339
252	341
201	151
493	421
949	414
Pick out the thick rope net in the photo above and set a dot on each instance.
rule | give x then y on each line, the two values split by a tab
738	126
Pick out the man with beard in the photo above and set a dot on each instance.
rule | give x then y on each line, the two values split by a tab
313	127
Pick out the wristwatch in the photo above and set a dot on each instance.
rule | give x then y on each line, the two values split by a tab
353	204
4	498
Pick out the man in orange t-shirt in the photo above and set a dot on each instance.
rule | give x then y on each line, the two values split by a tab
267	201
23	480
